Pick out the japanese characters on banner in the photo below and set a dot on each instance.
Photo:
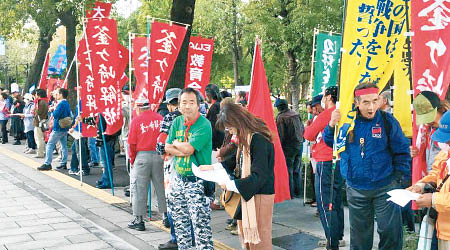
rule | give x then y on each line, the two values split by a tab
140	56
100	10
198	67
402	85
431	59
372	33
87	94
327	61
165	44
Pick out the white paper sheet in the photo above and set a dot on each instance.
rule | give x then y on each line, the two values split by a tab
402	197
217	175
75	134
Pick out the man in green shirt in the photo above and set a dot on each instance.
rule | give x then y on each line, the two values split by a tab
190	142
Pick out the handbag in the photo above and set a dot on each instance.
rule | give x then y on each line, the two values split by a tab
230	201
65	122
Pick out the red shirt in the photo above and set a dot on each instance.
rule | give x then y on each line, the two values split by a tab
320	151
144	131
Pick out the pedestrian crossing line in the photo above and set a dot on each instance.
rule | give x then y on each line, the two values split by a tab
88	189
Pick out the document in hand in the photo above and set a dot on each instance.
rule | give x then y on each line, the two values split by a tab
402	197
217	175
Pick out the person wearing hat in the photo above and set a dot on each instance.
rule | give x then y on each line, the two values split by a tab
146	163
27	116
375	156
40	117
332	221
172	105
429	110
290	129
440	199
316	105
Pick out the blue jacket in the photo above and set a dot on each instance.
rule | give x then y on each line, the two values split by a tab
62	110
381	162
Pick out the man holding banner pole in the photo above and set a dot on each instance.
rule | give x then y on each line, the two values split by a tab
374	152
332	217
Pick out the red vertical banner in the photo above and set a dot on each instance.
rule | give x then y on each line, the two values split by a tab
105	57
198	67
430	61
44	74
87	93
140	56
165	44
261	106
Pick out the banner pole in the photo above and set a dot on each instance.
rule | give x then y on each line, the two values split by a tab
312	62
336	132
130	100
148	79
100	117
80	166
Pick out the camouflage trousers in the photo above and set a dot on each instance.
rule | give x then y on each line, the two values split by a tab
188	202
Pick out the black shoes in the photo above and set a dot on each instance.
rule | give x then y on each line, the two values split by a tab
140	226
17	143
168	246
45	167
126	191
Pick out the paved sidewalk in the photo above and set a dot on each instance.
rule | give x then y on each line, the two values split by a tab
50	210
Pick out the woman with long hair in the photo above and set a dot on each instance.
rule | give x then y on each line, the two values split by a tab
254	175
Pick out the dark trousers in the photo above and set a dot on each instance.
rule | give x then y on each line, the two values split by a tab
290	154
298	177
4	132
310	179
30	139
363	206
74	162
332	221
408	217
107	164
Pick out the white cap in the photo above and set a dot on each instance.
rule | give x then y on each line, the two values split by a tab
14	87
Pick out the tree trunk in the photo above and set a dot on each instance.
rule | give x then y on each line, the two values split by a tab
235	46
182	11
69	20
293	78
45	37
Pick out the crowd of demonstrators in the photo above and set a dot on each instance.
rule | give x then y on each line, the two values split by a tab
188	129
332	221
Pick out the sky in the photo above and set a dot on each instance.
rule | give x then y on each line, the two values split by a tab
126	7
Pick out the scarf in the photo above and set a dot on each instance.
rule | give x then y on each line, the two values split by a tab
249	222
188	125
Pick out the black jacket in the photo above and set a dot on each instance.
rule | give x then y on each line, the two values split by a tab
217	135
262	178
290	129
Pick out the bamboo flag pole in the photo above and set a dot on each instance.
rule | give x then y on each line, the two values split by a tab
80	157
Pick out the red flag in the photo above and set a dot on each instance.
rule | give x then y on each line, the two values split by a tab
261	106
55	83
44	73
100	10
431	56
140	57
105	57
87	94
165	44
198	67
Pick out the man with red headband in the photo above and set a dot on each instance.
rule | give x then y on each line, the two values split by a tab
376	154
